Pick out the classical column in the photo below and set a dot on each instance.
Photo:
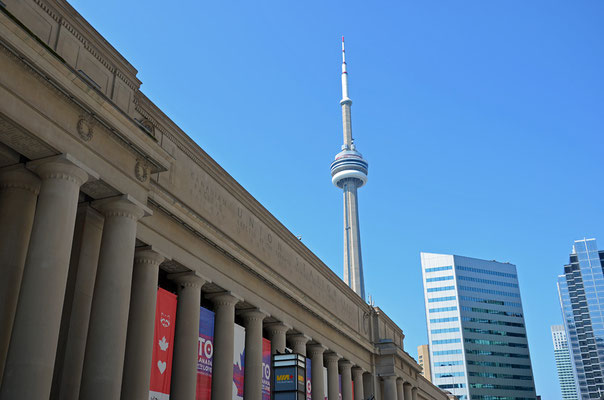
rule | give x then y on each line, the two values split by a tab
345	371
253	353
33	343
390	387
277	335
224	338
368	385
141	325
357	378
298	342
400	395
78	301
106	345
407	391
19	190
315	352
333	380
186	337
414	394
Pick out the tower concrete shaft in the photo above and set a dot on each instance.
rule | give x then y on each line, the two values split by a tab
349	172
353	262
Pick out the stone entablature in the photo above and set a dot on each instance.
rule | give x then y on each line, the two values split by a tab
202	220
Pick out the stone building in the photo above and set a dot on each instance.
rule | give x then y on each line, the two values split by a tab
103	199
423	359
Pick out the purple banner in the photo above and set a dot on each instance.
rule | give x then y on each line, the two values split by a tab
266	369
205	354
308	379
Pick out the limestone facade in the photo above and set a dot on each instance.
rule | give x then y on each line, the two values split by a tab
103	198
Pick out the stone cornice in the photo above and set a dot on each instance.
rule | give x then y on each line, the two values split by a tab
91	40
51	71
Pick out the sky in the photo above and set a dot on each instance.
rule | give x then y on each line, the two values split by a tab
482	122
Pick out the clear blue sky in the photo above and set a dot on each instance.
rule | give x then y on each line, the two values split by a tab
482	122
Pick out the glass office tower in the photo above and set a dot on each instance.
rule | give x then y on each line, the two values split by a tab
581	291
476	332
563	363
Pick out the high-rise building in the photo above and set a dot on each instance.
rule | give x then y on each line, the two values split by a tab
349	172
423	359
477	337
563	363
581	291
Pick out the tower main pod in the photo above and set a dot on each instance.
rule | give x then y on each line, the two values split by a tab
349	172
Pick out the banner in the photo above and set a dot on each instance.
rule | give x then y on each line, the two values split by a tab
163	340
266	369
205	354
340	387
308	379
238	362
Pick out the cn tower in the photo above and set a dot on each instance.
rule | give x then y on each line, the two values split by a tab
349	172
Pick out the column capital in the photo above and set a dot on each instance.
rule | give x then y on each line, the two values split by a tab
345	364
63	166
332	357
388	377
224	298
356	370
253	314
145	255
122	206
316	349
188	279
277	327
18	177
299	338
414	389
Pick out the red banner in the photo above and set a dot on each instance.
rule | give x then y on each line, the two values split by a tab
163	345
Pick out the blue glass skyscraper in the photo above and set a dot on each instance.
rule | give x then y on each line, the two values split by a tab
581	291
478	344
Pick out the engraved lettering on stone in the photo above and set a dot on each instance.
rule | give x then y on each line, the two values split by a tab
212	202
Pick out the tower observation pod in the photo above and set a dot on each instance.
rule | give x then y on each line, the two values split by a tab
349	172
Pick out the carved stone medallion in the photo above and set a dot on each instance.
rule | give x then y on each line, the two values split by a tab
85	128
141	171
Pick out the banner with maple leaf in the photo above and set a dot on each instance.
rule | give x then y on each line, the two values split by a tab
163	340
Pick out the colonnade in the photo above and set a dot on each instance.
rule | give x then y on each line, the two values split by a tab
78	310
